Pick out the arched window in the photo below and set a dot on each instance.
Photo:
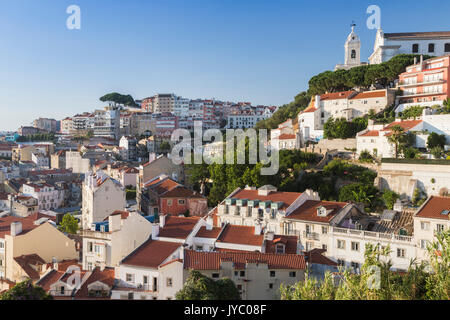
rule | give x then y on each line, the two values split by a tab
447	47
415	48
431	47
353	54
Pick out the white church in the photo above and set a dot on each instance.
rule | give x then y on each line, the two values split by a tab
388	45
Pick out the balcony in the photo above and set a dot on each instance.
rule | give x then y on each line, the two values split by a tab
370	235
414	84
311	235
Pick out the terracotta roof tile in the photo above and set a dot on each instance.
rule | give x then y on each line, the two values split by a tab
151	254
178	227
27	223
278	196
308	211
287	136
290	243
435	207
371	133
240	235
336	95
213	233
369	94
211	260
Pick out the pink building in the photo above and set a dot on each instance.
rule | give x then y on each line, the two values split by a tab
425	83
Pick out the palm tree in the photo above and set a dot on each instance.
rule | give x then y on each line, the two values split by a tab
395	138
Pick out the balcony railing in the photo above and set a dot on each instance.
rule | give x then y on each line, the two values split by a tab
311	235
371	235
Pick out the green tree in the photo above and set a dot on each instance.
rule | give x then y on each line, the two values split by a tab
436	140
117	98
389	198
25	290
437	152
69	224
396	138
201	287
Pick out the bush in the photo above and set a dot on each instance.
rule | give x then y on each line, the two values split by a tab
436	140
389	198
365	156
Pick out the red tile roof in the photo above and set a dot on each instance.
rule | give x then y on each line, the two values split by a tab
406	125
240	235
181	192
434	208
278	196
316	256
369	94
27	223
106	276
151	254
124	214
211	260
286	136
337	95
308	211
371	133
213	233
290	243
178	227
25	262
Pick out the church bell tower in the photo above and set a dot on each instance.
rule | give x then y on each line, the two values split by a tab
353	49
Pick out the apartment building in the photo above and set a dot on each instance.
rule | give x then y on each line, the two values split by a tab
107	242
49	196
129	144
150	170
164	195
101	196
35	234
107	122
58	160
164	103
21	205
425	83
46	124
431	218
159	269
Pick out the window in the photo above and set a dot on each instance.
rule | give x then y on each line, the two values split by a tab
272	274
415	48
447	47
424	244
129	277
270	285
324	247
199	248
2	245
215	275
341	262
431	47
355	246
181	202
400	253
239	287
353	54
292	274
89	266
242	274
62	290
169	282
425	225
439	228
341	244
169	202
355	266
89	246
280	248
324	230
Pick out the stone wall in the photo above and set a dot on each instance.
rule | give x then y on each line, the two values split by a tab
337	144
403	178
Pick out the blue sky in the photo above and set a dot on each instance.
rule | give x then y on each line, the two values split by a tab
246	50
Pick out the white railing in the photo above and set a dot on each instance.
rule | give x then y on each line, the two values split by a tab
371	235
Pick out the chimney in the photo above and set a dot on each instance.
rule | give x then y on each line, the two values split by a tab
415	60
114	222
16	228
155	231
257	228
102	266
317	102
209	223
162	220
55	263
